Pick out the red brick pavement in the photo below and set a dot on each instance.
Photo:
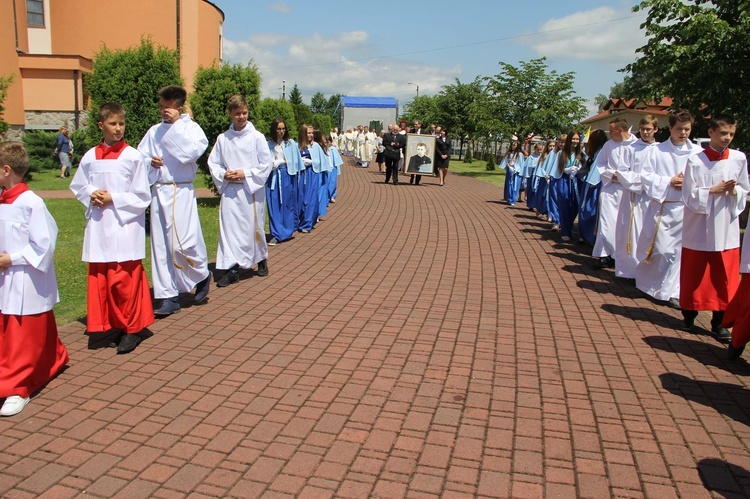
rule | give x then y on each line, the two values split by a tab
423	341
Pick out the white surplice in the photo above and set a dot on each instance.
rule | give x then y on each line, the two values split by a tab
631	216
660	240
242	209
712	221
115	232
615	157
176	234
28	234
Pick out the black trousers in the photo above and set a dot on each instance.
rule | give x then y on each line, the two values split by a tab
416	180
391	168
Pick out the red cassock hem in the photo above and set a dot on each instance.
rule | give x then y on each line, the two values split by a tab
708	279
118	297
31	353
737	315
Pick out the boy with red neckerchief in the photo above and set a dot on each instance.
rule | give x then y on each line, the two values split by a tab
714	190
112	184
31	353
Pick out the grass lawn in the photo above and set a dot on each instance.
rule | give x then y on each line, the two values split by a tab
476	169
71	271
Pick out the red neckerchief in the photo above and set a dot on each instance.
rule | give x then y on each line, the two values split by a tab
103	151
714	155
10	195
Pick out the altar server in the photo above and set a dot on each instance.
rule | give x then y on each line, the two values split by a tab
660	241
282	185
31	353
626	254
616	155
112	183
715	191
240	163
179	261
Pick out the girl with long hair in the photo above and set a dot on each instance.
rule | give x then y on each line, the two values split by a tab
310	181
511	163
589	185
541	184
569	161
281	187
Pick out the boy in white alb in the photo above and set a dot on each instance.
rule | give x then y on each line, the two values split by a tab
179	261
240	163
715	193
616	155
112	184
31	353
660	243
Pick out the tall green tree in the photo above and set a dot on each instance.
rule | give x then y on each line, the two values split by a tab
131	77
319	103
213	88
532	99
333	109
424	108
269	109
698	53
5	83
295	95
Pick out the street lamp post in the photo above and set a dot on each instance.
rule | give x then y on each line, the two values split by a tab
410	83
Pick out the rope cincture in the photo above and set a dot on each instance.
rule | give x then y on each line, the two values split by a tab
629	244
176	234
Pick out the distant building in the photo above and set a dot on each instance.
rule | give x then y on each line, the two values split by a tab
48	45
632	110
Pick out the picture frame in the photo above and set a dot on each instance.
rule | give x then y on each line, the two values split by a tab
419	154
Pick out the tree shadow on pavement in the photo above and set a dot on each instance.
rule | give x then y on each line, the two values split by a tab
724	479
733	401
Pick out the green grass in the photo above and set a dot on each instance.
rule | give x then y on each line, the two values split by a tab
71	271
477	169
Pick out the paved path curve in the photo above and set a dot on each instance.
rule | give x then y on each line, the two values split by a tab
423	341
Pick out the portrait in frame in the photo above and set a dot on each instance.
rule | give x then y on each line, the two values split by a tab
419	154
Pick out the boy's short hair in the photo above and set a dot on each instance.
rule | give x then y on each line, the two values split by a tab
680	116
14	155
110	108
236	102
649	119
620	123
173	93
720	120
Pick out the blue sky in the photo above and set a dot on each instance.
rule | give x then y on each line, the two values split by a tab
377	47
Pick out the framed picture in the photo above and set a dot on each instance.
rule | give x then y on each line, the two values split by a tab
419	155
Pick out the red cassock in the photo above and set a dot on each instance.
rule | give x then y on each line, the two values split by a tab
31	353
118	297
737	315
708	279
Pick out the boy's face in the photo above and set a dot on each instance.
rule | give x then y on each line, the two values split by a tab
421	150
615	132
722	136
167	109
680	132
113	128
647	131
239	117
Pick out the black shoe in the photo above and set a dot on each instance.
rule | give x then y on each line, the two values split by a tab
411	180
168	307
603	263
128	343
263	268
734	353
721	333
230	277
201	290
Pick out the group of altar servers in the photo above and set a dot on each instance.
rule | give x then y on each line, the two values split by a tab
359	142
117	183
664	215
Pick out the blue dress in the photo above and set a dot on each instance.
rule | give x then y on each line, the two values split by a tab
589	185
281	192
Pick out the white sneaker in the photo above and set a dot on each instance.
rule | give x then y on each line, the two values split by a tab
13	405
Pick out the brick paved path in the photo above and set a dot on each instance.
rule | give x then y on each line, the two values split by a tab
423	341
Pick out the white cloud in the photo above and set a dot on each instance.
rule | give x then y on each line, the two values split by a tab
344	63
280	7
575	37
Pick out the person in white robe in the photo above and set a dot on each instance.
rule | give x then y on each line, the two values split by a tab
179	260
240	164
660	241
626	255
616	155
